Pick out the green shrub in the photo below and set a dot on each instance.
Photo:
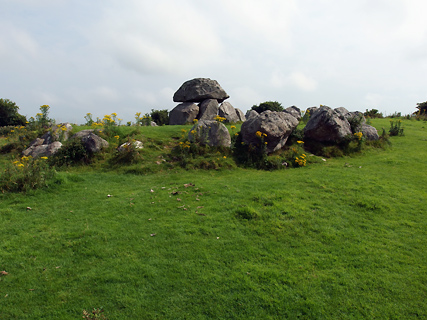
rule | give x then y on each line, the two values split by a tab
373	113
9	115
247	213
396	128
25	174
160	117
268	105
73	152
128	155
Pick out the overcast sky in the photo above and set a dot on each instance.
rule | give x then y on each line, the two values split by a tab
129	56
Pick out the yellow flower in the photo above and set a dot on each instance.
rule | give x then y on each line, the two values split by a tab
117	137
114	114
24	158
258	134
236	134
12	131
193	131
300	142
63	128
266	142
195	120
43	158
233	127
20	165
225	157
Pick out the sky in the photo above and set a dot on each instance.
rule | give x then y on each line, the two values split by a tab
128	56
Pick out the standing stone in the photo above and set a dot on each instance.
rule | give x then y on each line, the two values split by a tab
251	114
208	109
294	111
369	132
227	111
210	132
327	125
183	113
276	125
200	89
240	115
93	143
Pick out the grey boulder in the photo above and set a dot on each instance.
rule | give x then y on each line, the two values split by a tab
210	132
199	89
183	113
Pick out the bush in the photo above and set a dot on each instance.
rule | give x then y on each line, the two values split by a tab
268	105
26	174
71	153
160	117
373	113
9	115
395	128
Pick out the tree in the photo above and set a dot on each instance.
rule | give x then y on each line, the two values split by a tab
422	108
268	105
9	115
160	117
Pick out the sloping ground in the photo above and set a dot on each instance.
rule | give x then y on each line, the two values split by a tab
338	240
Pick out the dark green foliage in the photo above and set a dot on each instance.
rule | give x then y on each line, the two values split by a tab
422	111
396	128
9	115
160	117
71	153
268	105
128	155
247	213
355	122
373	113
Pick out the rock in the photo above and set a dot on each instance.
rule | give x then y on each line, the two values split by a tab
342	111
210	132
183	113
137	145
276	125
327	125
369	132
227	111
153	124
82	134
200	89
53	148
240	115
294	111
208	109
93	143
35	151
251	113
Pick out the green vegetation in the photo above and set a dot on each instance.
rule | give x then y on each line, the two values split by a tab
342	238
268	105
160	117
9	115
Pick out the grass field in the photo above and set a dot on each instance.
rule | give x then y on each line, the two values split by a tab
340	239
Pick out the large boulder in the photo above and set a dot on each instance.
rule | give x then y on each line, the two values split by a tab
183	113
42	150
369	132
210	132
277	126
251	114
327	125
227	111
200	89
93	143
208	109
294	111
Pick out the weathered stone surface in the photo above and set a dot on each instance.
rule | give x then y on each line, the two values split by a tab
369	132
36	151
137	145
294	111
276	125
183	113
82	134
251	113
212	133
240	115
327	125
227	111
199	89
53	148
93	143
208	109
342	111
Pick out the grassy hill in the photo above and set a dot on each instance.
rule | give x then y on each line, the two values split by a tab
339	239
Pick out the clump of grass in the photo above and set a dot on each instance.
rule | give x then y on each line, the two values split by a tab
247	213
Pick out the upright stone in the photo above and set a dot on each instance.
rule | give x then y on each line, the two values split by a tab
208	109
227	111
183	113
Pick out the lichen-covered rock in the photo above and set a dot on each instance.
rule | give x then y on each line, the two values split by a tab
199	89
208	109
277	126
240	115
369	132
327	125
93	143
183	113
227	111
251	113
294	111
209	132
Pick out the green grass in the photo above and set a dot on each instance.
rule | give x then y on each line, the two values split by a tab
341	239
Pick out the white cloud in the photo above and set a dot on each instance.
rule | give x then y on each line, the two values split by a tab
295	79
